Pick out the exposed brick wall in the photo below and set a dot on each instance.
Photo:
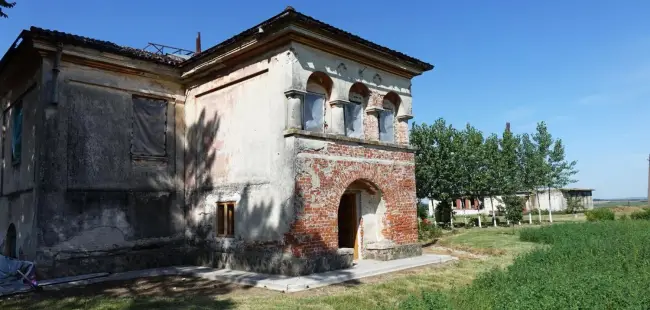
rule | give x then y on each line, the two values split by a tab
371	126
337	149
401	132
321	182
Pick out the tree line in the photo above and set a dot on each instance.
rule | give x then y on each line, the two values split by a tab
455	163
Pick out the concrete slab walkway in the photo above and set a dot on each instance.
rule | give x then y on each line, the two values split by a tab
365	268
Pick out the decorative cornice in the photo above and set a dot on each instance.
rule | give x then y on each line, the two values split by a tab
374	110
293	92
339	102
345	139
404	117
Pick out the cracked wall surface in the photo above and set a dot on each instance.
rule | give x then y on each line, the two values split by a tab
80	196
23	86
95	195
242	157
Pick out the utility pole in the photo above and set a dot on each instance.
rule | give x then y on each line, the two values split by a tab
648	195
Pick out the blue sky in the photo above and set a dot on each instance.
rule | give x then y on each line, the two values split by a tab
581	66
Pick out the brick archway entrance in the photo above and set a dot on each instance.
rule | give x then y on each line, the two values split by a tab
325	175
361	215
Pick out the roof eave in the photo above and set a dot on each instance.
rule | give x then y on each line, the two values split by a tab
293	20
299	34
12	49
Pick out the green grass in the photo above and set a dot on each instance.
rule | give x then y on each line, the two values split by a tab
602	265
382	292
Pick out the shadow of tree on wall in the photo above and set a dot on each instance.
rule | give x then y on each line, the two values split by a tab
196	183
266	221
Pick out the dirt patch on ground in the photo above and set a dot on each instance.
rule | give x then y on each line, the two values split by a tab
624	209
436	249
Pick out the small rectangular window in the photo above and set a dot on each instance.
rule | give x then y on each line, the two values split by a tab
16	133
313	111
353	115
386	123
149	127
226	219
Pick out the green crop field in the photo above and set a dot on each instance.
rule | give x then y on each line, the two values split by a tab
575	265
602	265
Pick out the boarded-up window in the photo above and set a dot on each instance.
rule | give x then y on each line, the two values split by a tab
353	119
226	219
149	127
386	123
313	112
16	133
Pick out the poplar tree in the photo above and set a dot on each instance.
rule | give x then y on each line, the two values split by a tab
561	171
494	172
437	168
528	178
473	160
509	164
543	142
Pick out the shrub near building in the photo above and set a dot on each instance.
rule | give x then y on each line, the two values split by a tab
600	214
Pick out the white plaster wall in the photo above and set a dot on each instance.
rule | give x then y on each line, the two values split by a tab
373	210
253	161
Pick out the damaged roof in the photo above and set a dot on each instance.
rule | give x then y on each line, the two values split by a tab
104	46
279	21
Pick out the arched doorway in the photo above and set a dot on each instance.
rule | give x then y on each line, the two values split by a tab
360	214
9	248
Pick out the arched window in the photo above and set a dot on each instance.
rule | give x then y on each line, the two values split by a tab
353	112
319	86
387	117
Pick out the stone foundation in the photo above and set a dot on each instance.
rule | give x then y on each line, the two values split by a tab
70	263
261	259
272	261
388	251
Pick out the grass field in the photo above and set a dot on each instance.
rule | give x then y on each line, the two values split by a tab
602	265
561	266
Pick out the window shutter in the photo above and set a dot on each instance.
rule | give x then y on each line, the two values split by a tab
221	229
231	220
17	133
149	122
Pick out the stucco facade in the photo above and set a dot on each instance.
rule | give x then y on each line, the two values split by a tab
134	160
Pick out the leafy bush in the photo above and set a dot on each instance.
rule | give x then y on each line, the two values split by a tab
623	217
428	301
427	231
600	214
574	205
514	208
473	221
535	211
444	212
641	215
423	211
